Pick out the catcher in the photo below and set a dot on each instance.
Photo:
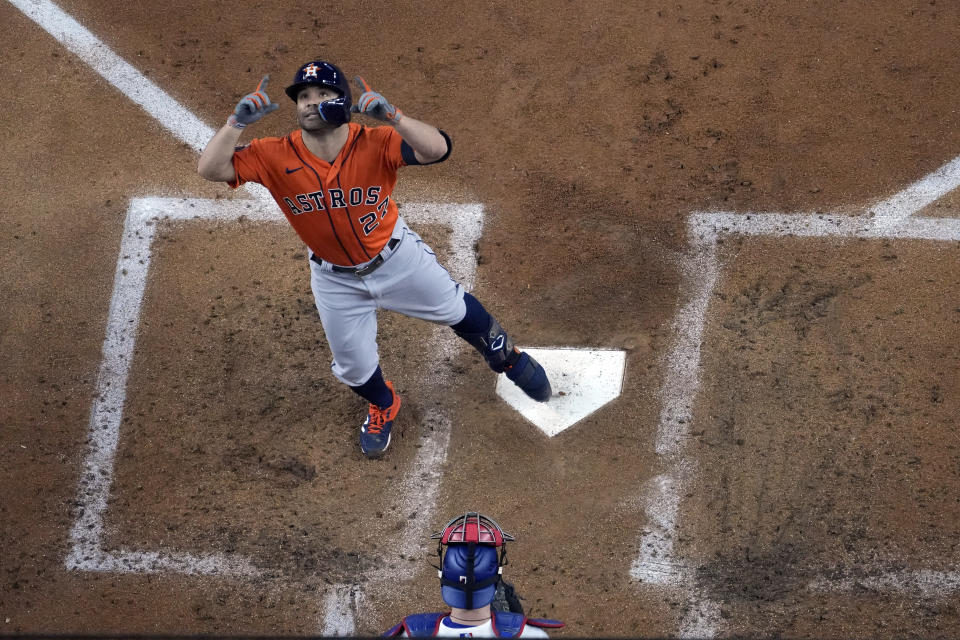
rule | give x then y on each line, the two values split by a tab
482	604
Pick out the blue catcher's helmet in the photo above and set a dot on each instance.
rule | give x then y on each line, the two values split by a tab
335	111
471	567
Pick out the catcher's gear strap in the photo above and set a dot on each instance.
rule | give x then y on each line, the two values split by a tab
395	630
410	156
469	585
545	623
419	625
510	625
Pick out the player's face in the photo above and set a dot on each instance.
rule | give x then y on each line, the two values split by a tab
307	101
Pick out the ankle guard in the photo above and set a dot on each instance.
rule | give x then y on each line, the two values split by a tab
495	346
527	374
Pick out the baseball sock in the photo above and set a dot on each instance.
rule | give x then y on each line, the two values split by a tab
375	390
476	320
480	329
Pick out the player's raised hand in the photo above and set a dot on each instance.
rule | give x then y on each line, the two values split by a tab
375	105
252	106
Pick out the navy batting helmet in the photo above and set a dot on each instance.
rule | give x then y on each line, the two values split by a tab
318	72
471	567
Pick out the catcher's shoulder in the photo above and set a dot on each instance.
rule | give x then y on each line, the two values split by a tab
546	623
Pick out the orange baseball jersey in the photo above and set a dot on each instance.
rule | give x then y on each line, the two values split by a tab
344	212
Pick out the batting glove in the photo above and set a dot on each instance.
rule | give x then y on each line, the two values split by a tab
375	105
252	107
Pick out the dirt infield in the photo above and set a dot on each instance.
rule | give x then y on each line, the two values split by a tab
806	484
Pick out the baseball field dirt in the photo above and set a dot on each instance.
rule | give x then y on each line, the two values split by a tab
783	459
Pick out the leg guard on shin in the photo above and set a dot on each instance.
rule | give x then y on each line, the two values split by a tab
497	349
495	346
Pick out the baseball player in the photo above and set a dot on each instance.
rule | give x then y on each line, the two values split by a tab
470	572
333	179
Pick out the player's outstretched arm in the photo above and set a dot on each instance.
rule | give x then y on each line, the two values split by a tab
426	140
216	161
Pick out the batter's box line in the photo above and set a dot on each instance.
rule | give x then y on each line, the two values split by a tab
921	583
702	273
418	490
894	218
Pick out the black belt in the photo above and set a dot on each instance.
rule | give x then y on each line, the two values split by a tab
366	269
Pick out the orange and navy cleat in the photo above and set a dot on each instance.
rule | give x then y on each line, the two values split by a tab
375	432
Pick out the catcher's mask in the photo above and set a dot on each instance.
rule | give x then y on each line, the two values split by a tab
326	74
471	566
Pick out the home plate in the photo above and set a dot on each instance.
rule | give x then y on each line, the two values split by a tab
582	380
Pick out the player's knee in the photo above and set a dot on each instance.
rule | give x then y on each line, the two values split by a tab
457	312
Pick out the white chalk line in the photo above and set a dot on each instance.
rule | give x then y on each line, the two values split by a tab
701	619
342	605
179	121
106	415
892	212
656	564
158	104
705	226
920	583
893	218
93	558
700	273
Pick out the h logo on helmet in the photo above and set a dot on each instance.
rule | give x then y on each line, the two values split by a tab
323	74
